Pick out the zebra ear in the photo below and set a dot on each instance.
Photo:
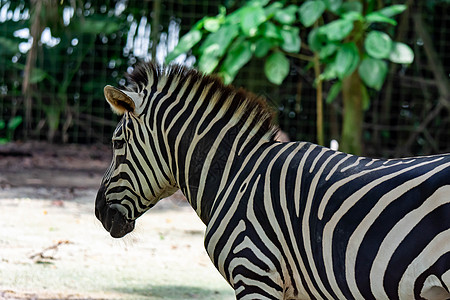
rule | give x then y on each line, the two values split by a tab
123	101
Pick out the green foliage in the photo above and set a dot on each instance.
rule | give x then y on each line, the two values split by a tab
272	32
76	39
373	72
12	125
276	67
311	11
347	42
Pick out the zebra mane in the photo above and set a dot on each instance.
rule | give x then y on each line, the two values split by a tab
147	74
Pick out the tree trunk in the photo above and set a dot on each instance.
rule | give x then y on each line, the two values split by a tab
351	141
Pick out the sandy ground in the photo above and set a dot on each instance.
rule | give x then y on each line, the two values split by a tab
53	247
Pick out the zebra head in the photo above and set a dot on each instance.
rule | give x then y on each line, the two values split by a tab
136	178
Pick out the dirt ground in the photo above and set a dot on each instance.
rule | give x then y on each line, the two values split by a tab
53	247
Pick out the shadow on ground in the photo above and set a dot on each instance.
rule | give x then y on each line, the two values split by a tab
172	292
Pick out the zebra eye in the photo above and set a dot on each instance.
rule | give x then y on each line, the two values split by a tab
118	144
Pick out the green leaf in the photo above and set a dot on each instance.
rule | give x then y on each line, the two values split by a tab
263	45
258	2
276	67
215	45
251	17
337	30
291	40
327	50
353	6
240	53
334	91
347	60
310	11
376	17
333	5
401	54
186	43
329	72
378	44
392	10
352	16
316	40
37	75
286	16
2	124
272	8
209	59
222	38
14	123
270	30
373	72
212	24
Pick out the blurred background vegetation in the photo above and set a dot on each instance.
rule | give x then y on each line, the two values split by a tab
56	56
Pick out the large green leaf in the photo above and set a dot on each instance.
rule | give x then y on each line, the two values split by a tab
333	5
251	17
347	59
276	67
215	45
13	123
329	72
263	45
378	44
316	39
209	59
287	15
373	72
272	9
185	44
352	16
334	91
327	50
392	10
337	30
270	30
310	11
401	54
291	40
2	124
353	6
240	53
212	24
376	17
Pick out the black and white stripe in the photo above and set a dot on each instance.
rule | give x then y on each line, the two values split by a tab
284	220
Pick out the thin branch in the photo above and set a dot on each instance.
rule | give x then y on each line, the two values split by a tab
300	56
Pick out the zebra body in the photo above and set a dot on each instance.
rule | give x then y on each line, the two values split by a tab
284	220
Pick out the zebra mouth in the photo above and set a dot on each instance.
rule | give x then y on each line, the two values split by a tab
112	219
116	223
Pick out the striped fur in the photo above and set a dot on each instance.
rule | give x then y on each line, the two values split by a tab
284	220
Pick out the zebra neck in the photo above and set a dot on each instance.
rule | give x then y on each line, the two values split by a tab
205	160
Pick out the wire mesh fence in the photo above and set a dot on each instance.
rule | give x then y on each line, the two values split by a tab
75	48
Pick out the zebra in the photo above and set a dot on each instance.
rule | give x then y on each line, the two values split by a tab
288	220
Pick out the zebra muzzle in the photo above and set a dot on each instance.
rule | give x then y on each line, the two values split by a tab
112	219
116	223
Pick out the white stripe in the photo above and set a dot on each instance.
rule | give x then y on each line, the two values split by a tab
352	248
401	230
432	252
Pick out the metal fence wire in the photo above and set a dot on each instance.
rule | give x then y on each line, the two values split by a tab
74	48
